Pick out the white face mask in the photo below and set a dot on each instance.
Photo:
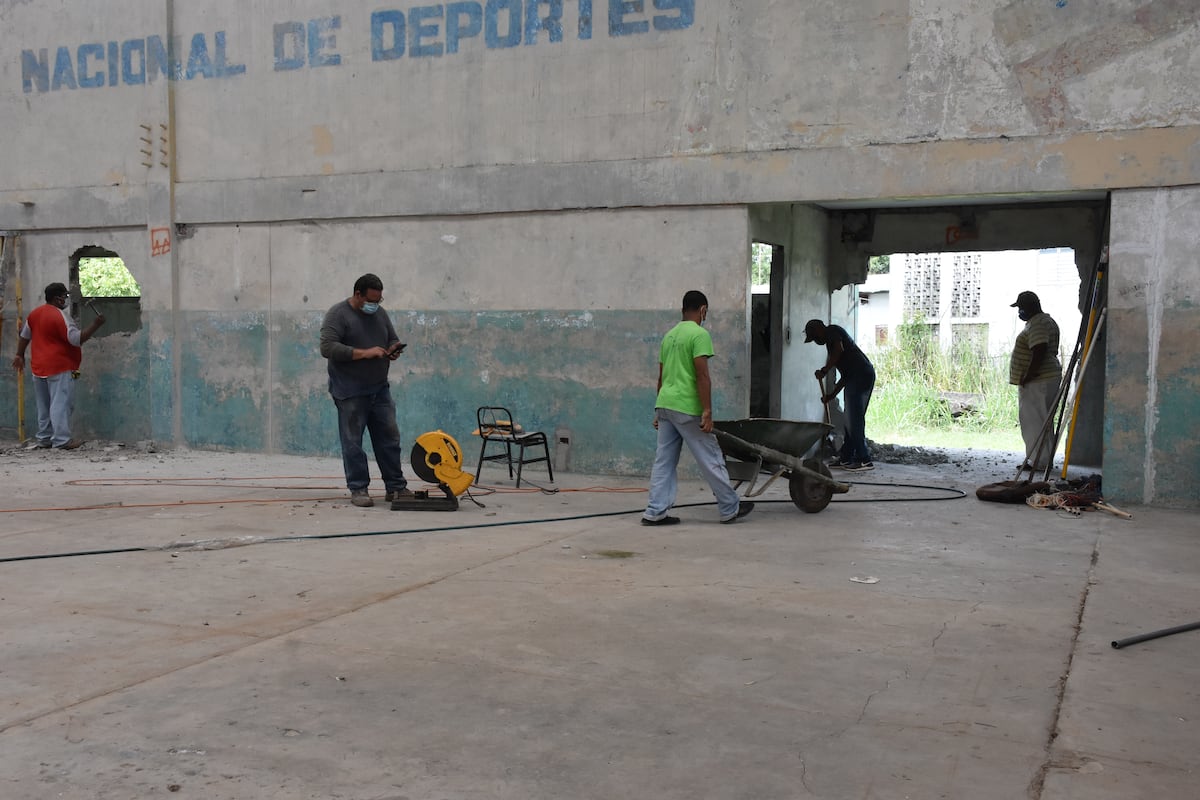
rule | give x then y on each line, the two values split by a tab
370	308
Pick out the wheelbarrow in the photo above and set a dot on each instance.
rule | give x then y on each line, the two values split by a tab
776	447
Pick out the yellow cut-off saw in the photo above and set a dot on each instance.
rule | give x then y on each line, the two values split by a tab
436	458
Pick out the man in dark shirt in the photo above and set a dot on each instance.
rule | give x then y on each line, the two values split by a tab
359	344
857	376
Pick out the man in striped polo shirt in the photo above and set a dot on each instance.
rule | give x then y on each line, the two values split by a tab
1036	370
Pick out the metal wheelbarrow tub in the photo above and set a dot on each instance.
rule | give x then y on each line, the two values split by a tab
777	447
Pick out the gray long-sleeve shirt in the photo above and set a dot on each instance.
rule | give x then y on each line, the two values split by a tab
345	329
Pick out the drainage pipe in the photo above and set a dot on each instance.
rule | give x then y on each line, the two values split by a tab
1145	637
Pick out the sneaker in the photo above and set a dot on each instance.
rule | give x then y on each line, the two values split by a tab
744	508
859	466
361	499
663	521
835	463
73	444
43	445
399	494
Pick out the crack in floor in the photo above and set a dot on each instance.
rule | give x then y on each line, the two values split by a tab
1037	785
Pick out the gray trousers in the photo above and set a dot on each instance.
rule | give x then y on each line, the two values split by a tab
1035	401
675	428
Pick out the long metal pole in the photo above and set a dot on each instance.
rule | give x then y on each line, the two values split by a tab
20	324
1145	637
1094	303
3	289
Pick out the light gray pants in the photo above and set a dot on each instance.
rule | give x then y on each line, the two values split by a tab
1035	402
675	428
55	401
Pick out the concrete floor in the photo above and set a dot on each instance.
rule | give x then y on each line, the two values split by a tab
502	653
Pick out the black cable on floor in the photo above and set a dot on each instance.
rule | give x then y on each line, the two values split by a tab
956	494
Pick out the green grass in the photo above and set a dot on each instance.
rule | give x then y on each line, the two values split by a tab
907	408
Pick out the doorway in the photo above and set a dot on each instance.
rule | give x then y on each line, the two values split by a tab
767	272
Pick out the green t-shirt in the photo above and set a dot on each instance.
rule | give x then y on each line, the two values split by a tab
680	347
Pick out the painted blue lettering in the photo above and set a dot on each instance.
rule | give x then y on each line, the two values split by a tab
114	63
318	41
35	70
585	19
380	20
618	10
198	61
224	68
161	60
89	81
552	22
492	19
128	75
684	19
289	33
455	30
419	31
64	70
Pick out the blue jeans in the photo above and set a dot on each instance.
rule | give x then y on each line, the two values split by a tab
55	401
675	428
857	398
375	413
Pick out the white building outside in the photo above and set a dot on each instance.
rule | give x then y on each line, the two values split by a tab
968	295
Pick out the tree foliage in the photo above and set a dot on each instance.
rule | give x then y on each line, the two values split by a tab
760	264
106	277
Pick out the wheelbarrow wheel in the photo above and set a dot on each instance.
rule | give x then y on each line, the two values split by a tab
808	493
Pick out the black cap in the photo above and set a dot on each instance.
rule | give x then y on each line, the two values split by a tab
810	327
1026	300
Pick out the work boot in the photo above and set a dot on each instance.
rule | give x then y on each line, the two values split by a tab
399	494
73	444
744	508
361	499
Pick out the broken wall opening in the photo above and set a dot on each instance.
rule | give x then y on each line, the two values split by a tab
100	283
940	329
1073	229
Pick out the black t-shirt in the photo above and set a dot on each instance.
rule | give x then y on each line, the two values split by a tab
853	363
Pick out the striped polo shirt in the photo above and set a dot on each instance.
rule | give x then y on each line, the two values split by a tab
1040	329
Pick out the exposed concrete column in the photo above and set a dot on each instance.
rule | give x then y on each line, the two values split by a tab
163	308
1152	414
807	297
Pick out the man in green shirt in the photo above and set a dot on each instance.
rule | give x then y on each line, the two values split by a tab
683	413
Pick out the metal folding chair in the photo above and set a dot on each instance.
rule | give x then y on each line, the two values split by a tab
498	428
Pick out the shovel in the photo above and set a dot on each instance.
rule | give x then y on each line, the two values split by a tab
827	450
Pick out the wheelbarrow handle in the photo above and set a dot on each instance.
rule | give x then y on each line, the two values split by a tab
773	456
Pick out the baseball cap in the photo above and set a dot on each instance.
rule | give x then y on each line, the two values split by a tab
1026	299
810	327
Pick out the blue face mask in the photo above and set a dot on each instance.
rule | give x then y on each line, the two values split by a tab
370	308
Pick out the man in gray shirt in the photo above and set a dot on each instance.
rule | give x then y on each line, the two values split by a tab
359	344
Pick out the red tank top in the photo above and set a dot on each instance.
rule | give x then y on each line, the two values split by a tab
52	352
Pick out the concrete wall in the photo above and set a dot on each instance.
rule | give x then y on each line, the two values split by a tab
561	322
1153	423
248	160
660	102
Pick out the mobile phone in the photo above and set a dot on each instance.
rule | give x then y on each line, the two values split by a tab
397	348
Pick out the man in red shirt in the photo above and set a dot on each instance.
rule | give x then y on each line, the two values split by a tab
55	362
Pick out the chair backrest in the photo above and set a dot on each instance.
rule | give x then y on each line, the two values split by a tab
495	421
